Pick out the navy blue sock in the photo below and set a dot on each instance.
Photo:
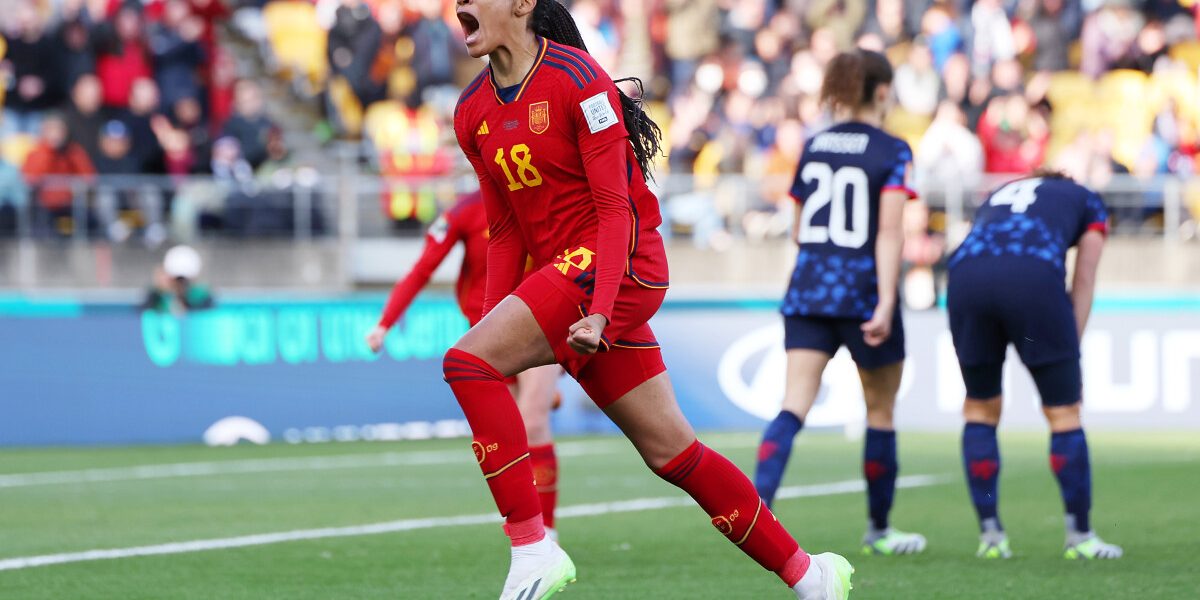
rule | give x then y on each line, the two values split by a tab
981	462
879	467
1069	459
774	452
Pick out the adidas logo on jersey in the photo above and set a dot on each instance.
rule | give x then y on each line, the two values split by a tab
483	129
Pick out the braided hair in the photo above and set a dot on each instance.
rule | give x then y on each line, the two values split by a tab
552	20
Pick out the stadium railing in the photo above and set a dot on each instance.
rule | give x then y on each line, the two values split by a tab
342	209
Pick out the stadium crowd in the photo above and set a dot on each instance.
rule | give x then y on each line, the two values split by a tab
1094	87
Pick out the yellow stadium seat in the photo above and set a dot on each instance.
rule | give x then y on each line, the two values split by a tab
379	123
1069	86
347	105
296	39
1187	53
1128	109
907	126
15	148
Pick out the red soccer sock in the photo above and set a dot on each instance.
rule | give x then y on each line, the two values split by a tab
500	445
727	495
545	477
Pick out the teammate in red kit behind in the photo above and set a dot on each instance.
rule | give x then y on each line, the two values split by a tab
535	389
561	156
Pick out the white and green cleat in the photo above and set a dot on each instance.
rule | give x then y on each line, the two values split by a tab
993	548
540	576
1092	548
891	542
828	578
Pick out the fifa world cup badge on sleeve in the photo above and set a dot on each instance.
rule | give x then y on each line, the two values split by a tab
598	112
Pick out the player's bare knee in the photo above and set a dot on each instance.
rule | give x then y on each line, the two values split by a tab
1066	417
983	410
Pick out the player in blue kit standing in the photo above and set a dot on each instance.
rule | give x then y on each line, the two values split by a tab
1007	285
852	185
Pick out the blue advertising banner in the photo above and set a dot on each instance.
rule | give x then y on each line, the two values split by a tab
300	372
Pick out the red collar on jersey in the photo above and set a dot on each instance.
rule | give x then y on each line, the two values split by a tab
544	45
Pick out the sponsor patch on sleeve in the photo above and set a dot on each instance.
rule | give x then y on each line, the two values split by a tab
598	112
439	229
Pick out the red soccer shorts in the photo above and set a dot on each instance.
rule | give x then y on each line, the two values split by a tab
629	355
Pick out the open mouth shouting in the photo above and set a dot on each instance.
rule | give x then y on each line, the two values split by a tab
470	27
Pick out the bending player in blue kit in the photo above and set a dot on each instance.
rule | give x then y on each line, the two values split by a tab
1007	285
852	186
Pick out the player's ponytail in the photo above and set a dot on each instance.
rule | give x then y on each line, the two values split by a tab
554	22
851	79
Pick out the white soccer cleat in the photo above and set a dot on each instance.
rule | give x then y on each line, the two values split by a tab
538	571
891	542
828	578
1092	548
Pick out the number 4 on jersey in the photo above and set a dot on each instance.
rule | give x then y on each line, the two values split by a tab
1017	195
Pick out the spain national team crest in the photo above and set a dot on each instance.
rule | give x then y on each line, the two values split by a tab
539	117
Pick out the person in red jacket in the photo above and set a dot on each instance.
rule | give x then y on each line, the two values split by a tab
562	157
50	166
534	389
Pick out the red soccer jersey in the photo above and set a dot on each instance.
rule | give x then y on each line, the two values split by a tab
559	179
464	223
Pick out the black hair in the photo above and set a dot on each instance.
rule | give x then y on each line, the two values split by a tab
851	79
553	21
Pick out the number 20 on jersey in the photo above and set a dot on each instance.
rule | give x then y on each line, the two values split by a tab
526	172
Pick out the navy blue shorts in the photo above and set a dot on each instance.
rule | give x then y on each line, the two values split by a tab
827	334
997	301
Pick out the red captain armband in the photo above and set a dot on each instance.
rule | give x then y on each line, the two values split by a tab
1100	226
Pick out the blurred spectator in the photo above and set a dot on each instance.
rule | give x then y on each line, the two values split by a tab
75	38
944	38
84	116
887	21
53	158
841	18
176	289
354	41
992	36
123	54
31	70
692	30
249	124
116	159
1052	31
433	63
178	55
917	83
143	106
1014	135
1108	36
114	156
14	194
949	157
229	167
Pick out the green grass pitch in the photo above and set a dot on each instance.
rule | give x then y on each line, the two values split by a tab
1146	486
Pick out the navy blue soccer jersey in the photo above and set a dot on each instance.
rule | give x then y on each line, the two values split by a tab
841	178
1037	218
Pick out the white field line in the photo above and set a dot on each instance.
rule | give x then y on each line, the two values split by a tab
566	512
279	465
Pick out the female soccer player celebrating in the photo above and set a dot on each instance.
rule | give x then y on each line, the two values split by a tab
535	389
852	186
561	154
